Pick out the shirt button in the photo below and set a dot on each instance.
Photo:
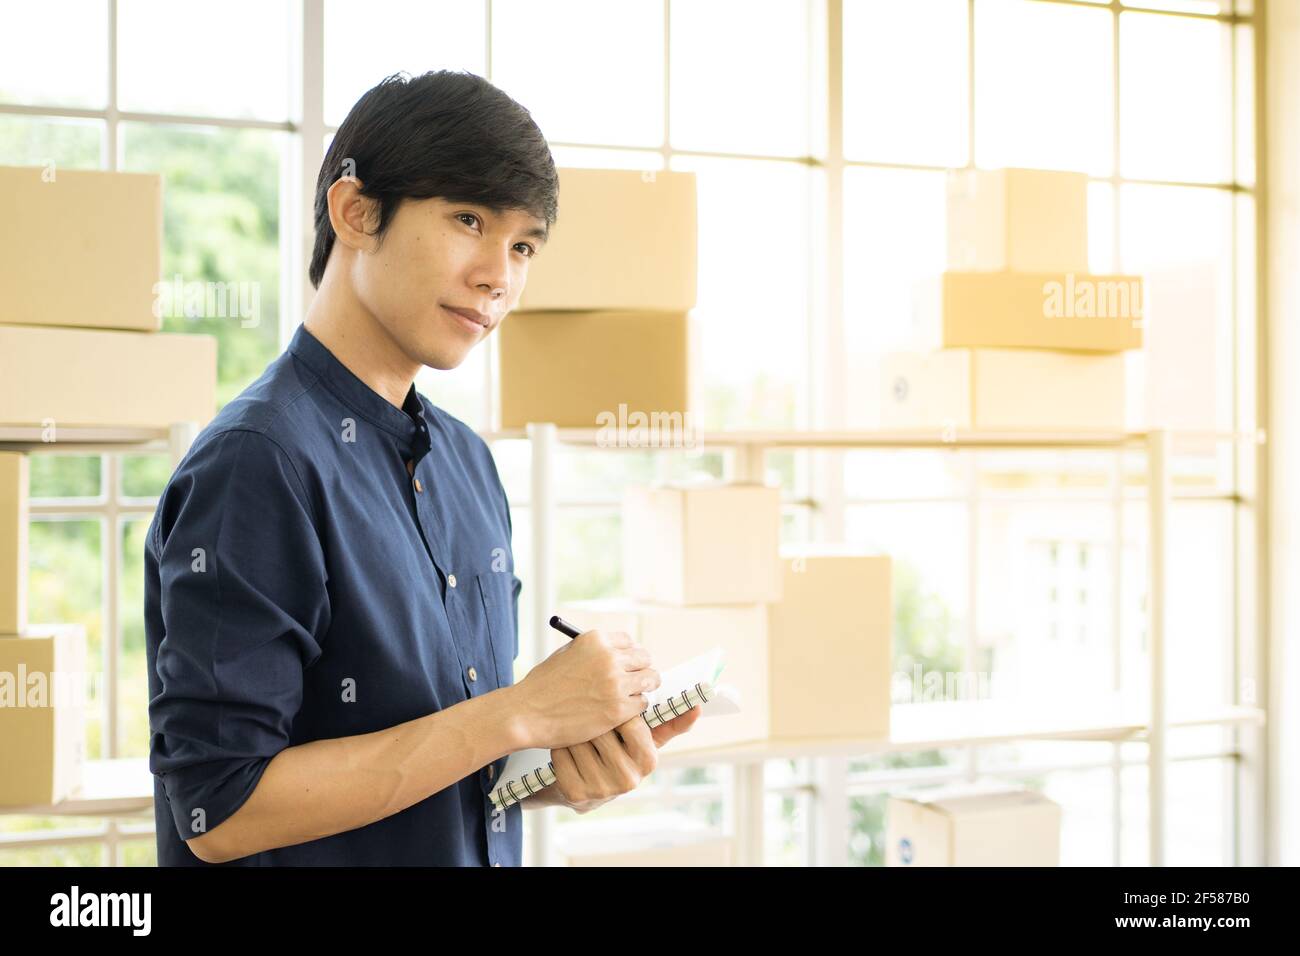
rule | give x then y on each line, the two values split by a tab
418	487
451	579
410	466
473	674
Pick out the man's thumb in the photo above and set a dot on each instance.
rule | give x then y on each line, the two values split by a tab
678	725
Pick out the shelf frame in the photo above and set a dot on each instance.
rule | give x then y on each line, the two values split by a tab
745	809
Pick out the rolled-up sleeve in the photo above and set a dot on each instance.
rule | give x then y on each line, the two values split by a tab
240	579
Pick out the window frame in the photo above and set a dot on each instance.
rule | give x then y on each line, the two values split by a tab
819	477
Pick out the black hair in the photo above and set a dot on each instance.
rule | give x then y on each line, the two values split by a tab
449	134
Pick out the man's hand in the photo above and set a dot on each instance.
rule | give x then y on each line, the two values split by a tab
591	774
595	682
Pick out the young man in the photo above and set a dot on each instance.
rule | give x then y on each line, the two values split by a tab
331	609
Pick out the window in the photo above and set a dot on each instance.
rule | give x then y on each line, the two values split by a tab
396	35
1170	153
180	58
1153	100
589	72
43	63
904	61
1043	86
217	128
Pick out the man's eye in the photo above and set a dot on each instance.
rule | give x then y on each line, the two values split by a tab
531	251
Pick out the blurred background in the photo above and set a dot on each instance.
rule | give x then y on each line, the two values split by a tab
822	134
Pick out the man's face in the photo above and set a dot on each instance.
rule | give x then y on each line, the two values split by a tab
438	255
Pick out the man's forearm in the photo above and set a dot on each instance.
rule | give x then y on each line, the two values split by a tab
324	787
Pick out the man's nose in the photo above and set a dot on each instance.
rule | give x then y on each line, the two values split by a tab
492	276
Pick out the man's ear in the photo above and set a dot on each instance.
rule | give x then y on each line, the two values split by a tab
353	216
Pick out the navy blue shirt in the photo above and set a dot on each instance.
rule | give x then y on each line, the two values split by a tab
323	564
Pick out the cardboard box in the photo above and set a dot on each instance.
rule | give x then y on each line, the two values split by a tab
1025	220
709	543
624	239
830	639
43	689
656	839
80	247
954	827
83	377
1047	310
673	635
1012	389
13	542
597	369
813	664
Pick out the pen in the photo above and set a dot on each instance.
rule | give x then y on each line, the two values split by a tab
563	626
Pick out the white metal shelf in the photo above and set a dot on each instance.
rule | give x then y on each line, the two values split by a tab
124	787
951	724
85	439
110	787
121	787
923	726
887	438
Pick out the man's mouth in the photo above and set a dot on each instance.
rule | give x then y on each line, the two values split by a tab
472	320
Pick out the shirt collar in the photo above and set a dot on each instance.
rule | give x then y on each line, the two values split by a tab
407	423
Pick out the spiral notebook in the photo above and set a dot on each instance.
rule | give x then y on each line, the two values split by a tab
690	684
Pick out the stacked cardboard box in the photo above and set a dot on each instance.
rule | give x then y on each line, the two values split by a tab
13	542
43	678
603	325
44	685
973	826
80	262
1017	334
806	633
